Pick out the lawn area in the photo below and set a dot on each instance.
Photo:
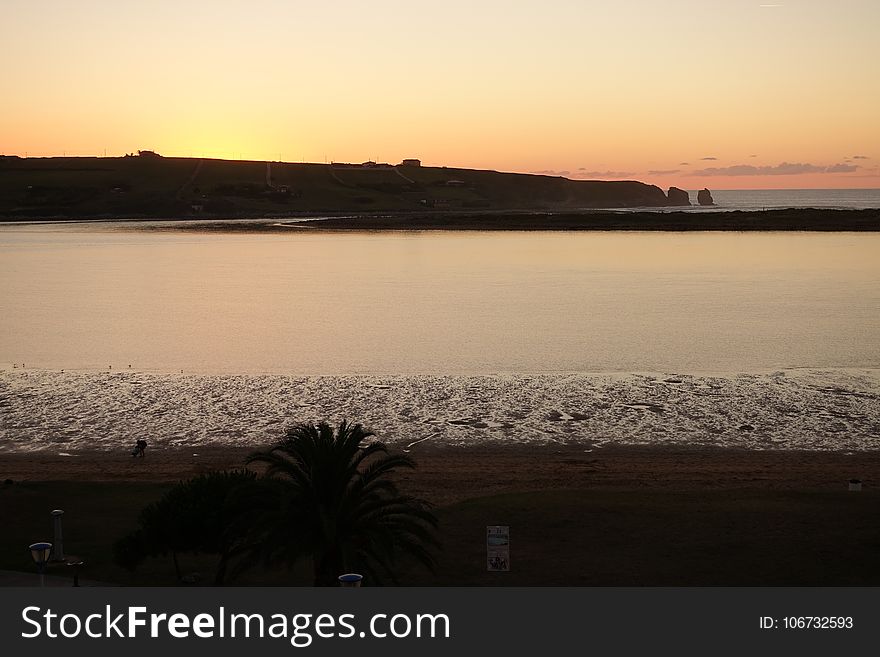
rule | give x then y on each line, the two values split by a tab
667	538
558	537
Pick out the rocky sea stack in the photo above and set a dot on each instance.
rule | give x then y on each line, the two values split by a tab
678	196
704	197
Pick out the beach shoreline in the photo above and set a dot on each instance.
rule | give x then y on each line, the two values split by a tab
77	412
795	219
713	218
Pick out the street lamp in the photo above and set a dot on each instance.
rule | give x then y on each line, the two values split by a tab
350	580
40	552
59	545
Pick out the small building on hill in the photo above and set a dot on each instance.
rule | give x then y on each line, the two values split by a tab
411	162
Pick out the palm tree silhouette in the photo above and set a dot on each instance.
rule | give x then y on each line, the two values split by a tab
213	513
337	504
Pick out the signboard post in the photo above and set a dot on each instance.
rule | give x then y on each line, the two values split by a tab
498	548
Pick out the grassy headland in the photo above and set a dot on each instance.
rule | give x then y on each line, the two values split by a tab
150	186
368	196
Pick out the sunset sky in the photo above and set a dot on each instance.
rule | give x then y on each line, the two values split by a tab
719	93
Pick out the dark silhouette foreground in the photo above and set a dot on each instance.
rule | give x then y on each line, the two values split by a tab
209	514
326	496
338	505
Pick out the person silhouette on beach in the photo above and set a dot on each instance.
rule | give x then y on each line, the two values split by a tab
140	448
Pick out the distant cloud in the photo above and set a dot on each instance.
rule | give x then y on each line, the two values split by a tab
709	158
551	172
860	157
753	156
663	172
684	164
784	169
841	168
605	174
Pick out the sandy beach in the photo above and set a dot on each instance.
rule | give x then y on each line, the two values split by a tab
446	475
791	219
614	516
798	219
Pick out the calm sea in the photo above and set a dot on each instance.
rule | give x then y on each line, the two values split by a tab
627	337
768	199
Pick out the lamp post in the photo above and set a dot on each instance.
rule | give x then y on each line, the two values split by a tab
76	565
58	554
350	580
40	552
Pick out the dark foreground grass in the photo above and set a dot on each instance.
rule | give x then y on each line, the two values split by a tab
666	538
560	537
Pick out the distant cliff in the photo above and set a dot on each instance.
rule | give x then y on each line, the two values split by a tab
148	185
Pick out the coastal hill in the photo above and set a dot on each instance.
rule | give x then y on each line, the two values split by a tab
149	185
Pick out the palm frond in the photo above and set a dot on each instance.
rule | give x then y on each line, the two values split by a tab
338	504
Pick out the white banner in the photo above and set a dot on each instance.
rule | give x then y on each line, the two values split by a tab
498	548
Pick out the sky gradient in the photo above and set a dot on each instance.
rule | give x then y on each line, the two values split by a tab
727	94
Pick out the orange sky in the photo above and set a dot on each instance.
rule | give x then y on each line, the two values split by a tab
682	92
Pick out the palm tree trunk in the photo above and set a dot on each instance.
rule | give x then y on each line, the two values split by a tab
221	569
328	567
176	565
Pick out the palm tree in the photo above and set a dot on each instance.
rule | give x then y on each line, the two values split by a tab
338	505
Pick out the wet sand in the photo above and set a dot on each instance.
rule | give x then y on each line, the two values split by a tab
446	475
70	412
736	220
792	219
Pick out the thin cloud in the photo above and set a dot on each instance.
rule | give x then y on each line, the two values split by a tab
663	172
860	157
783	169
841	168
709	158
684	164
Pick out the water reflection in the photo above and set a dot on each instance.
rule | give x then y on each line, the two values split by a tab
318	303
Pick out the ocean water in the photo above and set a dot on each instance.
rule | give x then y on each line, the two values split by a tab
767	340
774	199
